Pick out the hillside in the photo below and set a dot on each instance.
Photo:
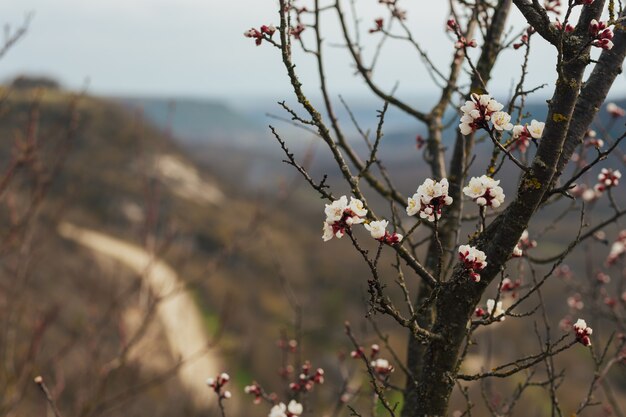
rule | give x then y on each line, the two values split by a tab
234	224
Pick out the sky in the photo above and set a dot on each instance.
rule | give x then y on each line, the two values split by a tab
196	48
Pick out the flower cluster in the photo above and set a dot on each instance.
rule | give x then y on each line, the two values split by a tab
525	38
523	134
608	178
254	389
494	310
218	383
485	191
473	260
380	366
510	286
259	34
378	25
340	216
615	110
618	248
307	379
602	35
583	332
293	409
481	109
429	199
523	245
568	27
591	139
378	231
461	41
575	302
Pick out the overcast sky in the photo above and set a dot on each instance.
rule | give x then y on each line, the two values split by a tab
196	48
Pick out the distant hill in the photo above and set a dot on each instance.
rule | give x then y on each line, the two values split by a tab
195	120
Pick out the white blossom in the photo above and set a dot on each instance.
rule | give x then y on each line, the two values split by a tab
334	211
295	408
536	129
377	228
501	121
279	410
485	191
495	309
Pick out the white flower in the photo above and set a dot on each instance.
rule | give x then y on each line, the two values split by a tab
334	211
519	130
465	129
485	191
536	129
279	410
327	232
381	366
501	120
357	208
413	206
377	228
582	325
295	408
495	310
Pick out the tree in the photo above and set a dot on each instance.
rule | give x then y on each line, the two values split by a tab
442	318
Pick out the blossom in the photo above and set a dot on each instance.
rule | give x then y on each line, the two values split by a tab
591	139
378	231
218	383
583	332
381	366
495	309
294	409
618	248
508	285
378	25
602	35
501	121
485	191
575	302
615	110
377	228
473	260
255	34
419	142
536	129
307	379
608	178
429	199
340	216
254	389
523	244
480	110
296	31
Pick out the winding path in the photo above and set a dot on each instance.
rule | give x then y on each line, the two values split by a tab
177	312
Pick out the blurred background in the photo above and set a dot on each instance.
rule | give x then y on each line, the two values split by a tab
151	234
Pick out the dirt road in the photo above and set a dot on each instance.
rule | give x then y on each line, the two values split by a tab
178	314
